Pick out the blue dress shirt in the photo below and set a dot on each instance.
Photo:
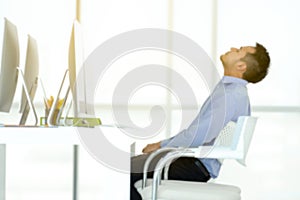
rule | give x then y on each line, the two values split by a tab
227	102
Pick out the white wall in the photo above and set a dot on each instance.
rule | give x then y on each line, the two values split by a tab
273	24
215	26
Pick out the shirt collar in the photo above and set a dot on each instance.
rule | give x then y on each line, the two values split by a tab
231	79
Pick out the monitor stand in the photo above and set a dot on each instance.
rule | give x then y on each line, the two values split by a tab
29	100
54	114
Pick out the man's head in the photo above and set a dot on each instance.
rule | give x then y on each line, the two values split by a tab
249	63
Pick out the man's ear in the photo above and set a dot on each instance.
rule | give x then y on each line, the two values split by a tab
241	66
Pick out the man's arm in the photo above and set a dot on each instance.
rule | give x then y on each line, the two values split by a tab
203	129
206	126
217	111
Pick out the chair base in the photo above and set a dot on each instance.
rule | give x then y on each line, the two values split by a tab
188	190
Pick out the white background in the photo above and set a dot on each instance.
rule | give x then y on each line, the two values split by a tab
216	26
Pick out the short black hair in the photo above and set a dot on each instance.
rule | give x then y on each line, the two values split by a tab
257	64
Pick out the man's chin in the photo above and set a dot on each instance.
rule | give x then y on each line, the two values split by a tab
221	57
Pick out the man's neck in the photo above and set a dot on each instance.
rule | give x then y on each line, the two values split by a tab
236	75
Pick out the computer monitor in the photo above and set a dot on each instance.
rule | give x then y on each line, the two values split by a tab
82	109
9	64
75	62
31	73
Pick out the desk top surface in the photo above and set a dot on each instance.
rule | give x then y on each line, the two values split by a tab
51	135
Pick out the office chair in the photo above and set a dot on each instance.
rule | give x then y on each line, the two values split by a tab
232	143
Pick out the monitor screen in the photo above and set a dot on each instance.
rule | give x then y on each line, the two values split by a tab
9	64
75	62
77	74
31	73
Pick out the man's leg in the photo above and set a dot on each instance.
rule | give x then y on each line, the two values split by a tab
188	169
136	173
137	166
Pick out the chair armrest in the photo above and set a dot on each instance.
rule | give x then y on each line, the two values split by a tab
149	160
215	152
162	162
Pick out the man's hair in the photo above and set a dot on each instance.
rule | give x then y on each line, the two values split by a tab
257	64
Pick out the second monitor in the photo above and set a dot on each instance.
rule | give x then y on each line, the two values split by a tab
31	73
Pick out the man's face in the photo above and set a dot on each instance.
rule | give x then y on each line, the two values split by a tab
231	57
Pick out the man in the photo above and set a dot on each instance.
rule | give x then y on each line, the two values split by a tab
227	102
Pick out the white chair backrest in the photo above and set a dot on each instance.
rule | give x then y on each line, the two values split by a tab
237	136
245	127
225	137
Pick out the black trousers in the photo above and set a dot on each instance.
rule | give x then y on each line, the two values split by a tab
184	168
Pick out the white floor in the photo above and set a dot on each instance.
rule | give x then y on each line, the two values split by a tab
45	172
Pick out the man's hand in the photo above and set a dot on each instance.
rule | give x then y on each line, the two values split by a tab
151	147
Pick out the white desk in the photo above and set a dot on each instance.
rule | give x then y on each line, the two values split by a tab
66	136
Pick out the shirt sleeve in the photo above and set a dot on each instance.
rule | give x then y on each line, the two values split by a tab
214	115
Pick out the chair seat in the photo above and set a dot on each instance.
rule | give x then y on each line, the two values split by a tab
188	190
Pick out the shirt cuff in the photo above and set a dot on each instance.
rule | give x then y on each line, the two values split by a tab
164	143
